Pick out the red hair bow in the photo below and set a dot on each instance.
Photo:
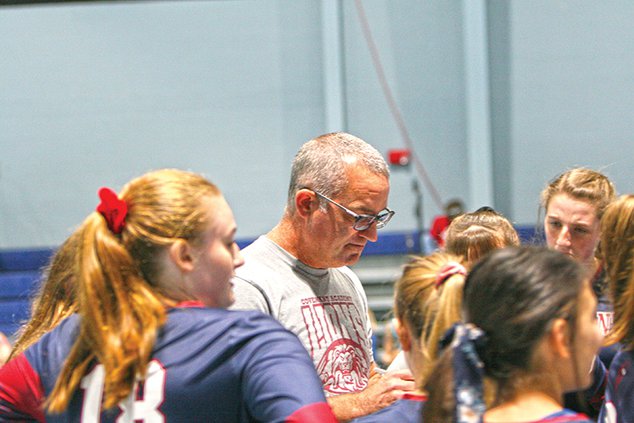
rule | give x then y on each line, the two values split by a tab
112	209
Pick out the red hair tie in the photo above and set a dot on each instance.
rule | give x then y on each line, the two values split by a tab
448	270
112	209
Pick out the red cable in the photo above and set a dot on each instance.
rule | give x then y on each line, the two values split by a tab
394	109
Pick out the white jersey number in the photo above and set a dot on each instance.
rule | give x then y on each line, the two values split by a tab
133	409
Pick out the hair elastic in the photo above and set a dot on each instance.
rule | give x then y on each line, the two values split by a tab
113	209
448	270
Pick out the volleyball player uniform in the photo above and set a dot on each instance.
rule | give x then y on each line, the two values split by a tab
207	365
618	405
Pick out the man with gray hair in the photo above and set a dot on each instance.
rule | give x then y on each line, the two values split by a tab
337	199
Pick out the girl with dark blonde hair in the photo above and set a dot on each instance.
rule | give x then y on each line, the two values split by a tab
471	236
574	203
427	302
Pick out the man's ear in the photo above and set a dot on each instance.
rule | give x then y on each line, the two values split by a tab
305	202
559	338
181	254
403	335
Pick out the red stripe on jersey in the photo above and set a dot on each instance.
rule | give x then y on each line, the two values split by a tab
189	304
20	387
414	397
568	418
319	412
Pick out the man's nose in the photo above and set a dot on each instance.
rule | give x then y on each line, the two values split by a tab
371	233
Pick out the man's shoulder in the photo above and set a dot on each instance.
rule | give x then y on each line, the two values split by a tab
257	282
262	264
347	272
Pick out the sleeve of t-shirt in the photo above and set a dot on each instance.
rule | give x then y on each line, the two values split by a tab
21	393
249	296
280	381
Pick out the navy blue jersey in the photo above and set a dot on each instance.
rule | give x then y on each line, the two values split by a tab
590	400
605	315
406	410
207	365
619	395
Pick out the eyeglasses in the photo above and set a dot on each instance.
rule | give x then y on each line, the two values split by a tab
363	221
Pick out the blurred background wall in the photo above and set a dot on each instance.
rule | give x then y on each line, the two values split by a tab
494	98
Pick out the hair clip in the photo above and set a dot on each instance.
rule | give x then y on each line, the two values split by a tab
485	209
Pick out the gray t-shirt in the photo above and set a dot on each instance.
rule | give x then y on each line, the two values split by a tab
326	308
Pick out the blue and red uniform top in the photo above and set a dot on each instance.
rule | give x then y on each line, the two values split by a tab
565	416
207	365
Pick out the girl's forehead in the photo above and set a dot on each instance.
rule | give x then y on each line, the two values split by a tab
565	204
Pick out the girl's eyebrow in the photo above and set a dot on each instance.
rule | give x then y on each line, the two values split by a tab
231	233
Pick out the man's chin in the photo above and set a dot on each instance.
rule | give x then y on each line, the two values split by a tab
352	258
